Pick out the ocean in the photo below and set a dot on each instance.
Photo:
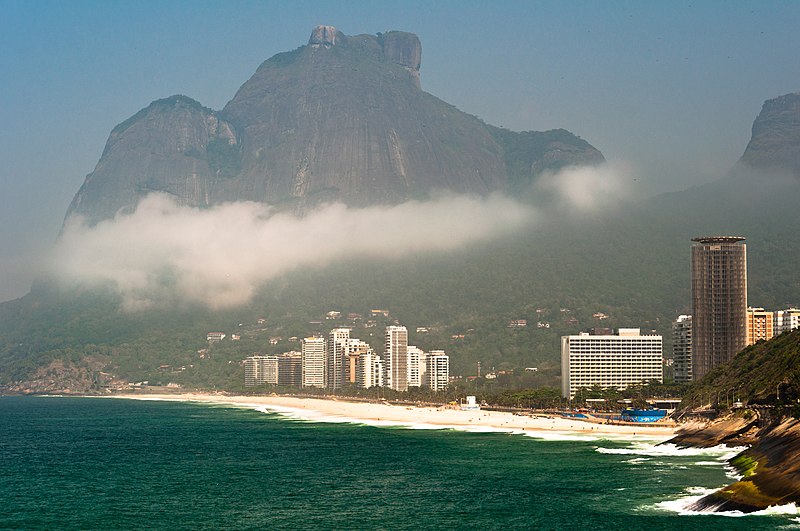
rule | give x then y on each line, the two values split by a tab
89	463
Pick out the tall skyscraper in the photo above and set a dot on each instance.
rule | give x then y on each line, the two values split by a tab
682	348
397	357
719	301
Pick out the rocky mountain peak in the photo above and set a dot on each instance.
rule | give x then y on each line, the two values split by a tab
775	141
342	119
404	49
324	36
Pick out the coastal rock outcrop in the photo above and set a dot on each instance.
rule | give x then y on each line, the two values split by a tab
770	471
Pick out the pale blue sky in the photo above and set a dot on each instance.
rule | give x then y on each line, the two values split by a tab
669	88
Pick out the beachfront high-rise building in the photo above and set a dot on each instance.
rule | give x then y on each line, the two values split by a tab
369	370
355	349
260	370
437	372
290	368
759	325
338	340
313	362
609	360
719	301
396	358
416	366
682	348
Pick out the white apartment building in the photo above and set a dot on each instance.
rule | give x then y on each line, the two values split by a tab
396	359
416	366
786	320
259	370
682	348
313	360
338	341
369	370
437	370
615	360
355	348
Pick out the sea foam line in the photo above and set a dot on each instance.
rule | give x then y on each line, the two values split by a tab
310	415
681	506
722	453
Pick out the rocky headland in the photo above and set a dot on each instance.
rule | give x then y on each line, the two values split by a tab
769	467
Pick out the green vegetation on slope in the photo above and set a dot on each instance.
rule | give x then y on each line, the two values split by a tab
765	373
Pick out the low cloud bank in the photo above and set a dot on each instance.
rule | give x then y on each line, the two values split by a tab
220	256
589	188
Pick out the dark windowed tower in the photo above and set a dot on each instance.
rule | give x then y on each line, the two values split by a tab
719	301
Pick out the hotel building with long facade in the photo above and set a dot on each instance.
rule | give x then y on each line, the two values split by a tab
260	370
610	360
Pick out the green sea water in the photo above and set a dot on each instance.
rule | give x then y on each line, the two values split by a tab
85	463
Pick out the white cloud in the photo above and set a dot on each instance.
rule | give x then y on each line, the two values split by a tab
220	256
590	188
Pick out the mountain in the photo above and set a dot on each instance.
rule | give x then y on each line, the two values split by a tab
342	118
775	142
629	261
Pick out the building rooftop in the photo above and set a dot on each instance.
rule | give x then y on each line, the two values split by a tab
718	239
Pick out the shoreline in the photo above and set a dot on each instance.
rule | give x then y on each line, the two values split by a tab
424	417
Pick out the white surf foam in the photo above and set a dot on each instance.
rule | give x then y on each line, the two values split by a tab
681	506
722	453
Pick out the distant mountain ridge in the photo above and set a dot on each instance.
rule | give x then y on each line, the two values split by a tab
342	118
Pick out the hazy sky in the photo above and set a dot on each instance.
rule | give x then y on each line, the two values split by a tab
668	89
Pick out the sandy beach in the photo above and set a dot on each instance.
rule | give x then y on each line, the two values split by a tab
384	414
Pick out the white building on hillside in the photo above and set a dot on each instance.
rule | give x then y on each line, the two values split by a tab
617	360
786	320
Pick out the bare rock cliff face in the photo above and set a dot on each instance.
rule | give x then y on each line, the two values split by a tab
775	142
340	119
163	148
